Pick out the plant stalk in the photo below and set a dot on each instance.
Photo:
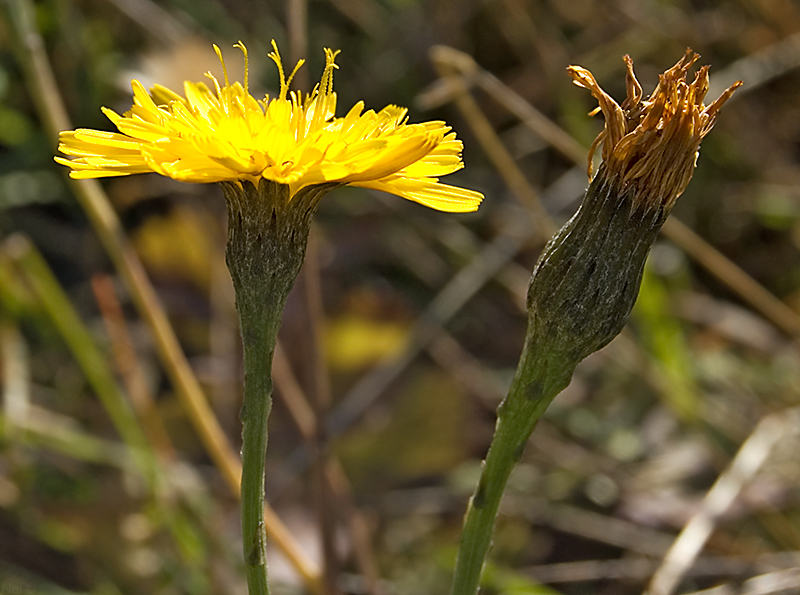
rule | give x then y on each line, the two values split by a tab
259	347
533	388
267	236
581	293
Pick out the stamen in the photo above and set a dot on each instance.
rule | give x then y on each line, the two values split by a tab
276	57
240	45
221	61
326	83
297	66
324	90
216	82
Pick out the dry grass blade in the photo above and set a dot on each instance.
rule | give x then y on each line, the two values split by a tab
37	277
321	399
467	370
751	456
760	67
773	309
15	371
783	582
472	74
154	19
642	568
129	366
495	150
290	392
484	266
51	431
617	532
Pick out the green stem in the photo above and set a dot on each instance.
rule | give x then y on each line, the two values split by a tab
538	380
259	346
267	237
581	293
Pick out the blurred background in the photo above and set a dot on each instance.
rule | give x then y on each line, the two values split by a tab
404	329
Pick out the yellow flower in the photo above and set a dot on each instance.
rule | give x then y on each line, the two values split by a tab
224	134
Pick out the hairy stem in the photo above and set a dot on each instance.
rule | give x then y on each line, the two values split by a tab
581	293
267	237
538	380
259	346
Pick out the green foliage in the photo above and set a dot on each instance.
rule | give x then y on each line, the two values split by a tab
666	342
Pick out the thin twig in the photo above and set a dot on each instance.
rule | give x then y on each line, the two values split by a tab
289	390
641	568
321	399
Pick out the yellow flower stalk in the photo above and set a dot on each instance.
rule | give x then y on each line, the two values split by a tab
224	134
275	158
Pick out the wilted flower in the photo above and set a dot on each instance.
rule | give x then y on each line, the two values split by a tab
653	143
587	278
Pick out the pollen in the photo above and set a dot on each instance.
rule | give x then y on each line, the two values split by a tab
222	133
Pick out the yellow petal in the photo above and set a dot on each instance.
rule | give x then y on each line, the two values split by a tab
226	134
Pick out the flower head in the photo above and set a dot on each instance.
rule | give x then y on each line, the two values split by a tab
224	134
652	144
587	279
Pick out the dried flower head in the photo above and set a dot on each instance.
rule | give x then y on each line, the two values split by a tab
224	134
652	144
586	281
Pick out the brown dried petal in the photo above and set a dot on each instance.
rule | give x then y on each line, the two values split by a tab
652	144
